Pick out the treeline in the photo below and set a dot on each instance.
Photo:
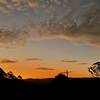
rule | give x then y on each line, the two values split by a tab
8	75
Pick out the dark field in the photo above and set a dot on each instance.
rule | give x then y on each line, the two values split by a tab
42	88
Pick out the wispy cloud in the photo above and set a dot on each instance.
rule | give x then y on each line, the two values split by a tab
82	63
8	61
44	68
33	59
69	61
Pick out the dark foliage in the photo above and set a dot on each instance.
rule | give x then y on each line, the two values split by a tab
9	75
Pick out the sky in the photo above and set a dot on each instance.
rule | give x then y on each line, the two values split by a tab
41	38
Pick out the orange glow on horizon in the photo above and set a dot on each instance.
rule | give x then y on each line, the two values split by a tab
79	75
32	73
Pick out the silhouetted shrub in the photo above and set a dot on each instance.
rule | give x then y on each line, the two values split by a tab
60	79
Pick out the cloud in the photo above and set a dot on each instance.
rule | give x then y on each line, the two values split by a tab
13	36
33	59
78	20
83	63
32	3
44	68
7	6
8	61
69	61
81	25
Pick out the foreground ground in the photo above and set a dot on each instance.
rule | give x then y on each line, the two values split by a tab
36	88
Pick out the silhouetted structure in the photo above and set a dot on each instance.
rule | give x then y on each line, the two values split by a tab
66	73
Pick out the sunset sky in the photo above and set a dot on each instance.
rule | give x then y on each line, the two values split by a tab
41	38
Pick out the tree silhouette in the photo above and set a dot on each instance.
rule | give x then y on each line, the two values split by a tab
2	74
10	75
62	77
95	69
19	77
59	79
